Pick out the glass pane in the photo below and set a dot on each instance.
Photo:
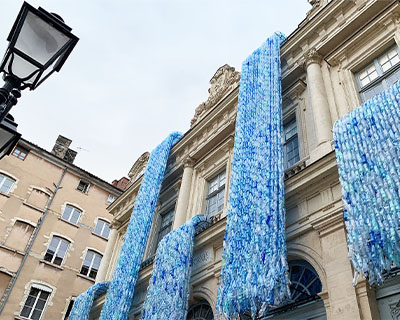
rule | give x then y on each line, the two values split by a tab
49	255
40	304
58	260
75	216
84	270
96	262
213	185
39	40
88	258
36	314
44	295
30	301
26	311
99	227
222	178
67	213
21	68
92	273
106	230
290	129
393	78
370	93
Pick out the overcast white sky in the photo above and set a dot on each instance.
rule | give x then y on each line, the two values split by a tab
140	69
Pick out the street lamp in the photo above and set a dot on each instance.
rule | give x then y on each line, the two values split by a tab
8	135
39	44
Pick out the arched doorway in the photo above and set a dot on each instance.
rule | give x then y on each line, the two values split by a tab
200	311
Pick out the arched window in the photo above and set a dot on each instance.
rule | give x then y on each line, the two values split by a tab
102	228
305	283
91	264
6	183
71	214
35	303
56	251
200	311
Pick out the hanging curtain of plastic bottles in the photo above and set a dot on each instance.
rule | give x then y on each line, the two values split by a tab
254	259
367	144
120	293
168	293
83	303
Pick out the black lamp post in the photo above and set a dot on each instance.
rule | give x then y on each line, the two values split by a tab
39	44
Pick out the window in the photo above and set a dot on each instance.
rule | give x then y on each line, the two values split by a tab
6	184
110	199
200	311
83	186
291	143
36	302
20	153
304	281
102	228
19	236
70	305
215	194
380	74
165	225
71	214
91	264
56	252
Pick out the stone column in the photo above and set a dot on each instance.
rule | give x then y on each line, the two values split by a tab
343	303
184	193
105	261
319	101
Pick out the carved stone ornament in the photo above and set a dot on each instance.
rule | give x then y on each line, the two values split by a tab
223	81
139	166
312	56
314	2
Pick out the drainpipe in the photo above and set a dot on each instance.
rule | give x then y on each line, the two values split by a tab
31	241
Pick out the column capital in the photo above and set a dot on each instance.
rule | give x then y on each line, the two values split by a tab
312	56
115	224
188	162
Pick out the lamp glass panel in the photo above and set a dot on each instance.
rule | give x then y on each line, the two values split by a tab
39	40
5	137
20	68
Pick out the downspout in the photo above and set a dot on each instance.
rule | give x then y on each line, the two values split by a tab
31	242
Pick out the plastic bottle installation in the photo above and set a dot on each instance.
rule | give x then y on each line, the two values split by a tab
367	144
121	290
254	265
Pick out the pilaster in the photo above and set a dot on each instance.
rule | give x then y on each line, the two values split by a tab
342	302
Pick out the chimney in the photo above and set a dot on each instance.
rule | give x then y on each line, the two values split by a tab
61	149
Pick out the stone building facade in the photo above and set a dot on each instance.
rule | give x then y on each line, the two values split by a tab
54	228
342	53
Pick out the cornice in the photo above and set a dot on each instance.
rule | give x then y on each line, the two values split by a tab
53	159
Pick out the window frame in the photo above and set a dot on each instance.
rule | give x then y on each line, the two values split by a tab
102	229
21	151
68	310
90	266
220	190
54	256
286	142
108	201
85	189
71	214
41	288
6	177
382	75
168	212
